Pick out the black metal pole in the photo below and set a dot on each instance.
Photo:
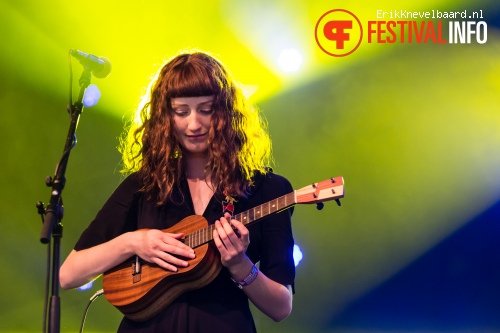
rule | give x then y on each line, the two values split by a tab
52	226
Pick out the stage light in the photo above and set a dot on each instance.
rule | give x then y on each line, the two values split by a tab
249	90
91	96
86	286
290	60
297	255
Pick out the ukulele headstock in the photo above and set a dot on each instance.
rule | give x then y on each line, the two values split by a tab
317	193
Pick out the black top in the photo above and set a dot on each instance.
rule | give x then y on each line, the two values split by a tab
220	306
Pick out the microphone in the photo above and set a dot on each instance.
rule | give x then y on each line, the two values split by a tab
99	66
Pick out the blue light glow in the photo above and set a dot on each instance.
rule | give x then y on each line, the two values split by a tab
86	286
297	254
91	96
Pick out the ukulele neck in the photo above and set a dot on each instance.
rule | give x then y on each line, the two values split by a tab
202	236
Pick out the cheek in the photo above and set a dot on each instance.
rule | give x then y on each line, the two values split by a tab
212	121
177	127
211	126
208	122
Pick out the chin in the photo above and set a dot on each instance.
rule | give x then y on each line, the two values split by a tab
202	151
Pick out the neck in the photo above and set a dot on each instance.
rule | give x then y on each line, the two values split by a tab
195	165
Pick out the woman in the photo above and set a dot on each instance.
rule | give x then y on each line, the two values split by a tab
199	149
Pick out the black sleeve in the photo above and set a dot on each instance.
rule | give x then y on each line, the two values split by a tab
117	216
276	237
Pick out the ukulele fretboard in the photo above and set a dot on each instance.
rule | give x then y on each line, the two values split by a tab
204	235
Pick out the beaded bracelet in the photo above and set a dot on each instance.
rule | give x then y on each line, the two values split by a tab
249	279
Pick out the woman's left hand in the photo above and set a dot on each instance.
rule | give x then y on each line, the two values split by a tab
232	239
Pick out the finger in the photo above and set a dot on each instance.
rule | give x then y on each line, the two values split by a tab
166	265
175	246
174	235
228	236
173	249
173	260
229	230
217	240
221	231
241	231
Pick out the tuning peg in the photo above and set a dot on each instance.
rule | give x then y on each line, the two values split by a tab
338	202
320	205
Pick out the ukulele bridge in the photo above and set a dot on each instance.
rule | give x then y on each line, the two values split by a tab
136	270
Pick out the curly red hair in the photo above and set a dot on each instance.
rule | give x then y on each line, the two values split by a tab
239	144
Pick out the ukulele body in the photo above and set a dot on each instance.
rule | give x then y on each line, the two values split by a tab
140	289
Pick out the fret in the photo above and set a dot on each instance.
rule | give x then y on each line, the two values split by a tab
251	216
210	232
205	235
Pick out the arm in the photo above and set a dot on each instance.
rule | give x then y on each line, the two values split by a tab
150	244
272	298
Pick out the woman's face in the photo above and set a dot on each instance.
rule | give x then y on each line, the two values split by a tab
192	116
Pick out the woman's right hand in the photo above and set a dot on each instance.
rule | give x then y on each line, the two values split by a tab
163	249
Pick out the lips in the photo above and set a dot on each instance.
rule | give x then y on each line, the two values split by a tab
197	136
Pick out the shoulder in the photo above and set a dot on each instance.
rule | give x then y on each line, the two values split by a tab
133	180
270	182
129	187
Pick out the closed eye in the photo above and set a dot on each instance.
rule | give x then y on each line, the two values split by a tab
206	111
181	113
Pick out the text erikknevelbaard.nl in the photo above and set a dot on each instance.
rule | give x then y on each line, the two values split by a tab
403	26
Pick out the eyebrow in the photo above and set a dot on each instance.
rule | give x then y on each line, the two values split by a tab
184	104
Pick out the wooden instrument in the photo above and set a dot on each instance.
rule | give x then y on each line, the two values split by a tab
140	289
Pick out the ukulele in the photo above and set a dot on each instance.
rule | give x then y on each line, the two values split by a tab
140	290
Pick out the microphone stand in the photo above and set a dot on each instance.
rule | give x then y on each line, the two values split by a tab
52	215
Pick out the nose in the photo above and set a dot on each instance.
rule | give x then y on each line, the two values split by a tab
194	122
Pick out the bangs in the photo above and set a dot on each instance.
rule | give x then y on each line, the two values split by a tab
190	80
